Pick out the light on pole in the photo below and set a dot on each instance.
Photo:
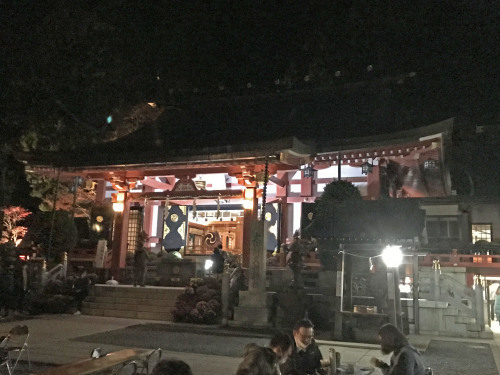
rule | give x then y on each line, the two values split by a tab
393	257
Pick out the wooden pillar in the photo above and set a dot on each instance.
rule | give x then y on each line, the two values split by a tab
147	225
373	184
119	245
282	192
285	208
100	194
116	245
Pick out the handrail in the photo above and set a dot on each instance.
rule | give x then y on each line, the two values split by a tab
56	270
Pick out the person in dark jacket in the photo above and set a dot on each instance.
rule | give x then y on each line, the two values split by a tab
306	357
405	358
140	261
172	366
217	259
257	360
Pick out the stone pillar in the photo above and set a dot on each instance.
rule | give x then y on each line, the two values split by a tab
252	309
225	294
478	291
391	296
437	279
249	216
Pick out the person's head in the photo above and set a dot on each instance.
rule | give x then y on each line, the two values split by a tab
258	361
303	333
391	338
281	344
172	367
216	250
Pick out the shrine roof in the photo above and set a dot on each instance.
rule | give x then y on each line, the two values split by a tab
230	128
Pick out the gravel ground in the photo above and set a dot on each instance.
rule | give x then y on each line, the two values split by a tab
460	358
445	357
179	340
22	368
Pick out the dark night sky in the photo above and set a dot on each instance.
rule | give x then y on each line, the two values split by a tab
79	61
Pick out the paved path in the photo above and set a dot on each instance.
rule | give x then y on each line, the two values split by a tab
58	339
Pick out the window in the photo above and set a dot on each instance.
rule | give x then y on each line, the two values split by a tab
481	232
442	228
134	228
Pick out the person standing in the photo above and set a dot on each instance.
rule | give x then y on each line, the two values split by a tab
20	283
305	357
296	261
140	261
217	259
81	288
405	359
497	304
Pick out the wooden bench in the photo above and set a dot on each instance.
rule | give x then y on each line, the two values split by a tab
100	365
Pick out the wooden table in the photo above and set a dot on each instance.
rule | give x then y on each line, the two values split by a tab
102	364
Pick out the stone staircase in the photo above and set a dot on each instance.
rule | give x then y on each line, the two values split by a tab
447	307
125	301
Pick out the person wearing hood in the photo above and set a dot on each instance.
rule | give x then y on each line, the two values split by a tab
405	359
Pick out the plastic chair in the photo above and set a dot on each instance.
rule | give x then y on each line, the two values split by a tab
150	362
6	362
146	364
127	368
13	346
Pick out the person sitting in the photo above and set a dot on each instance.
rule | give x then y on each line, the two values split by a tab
258	360
405	359
277	353
282	345
172	366
305	357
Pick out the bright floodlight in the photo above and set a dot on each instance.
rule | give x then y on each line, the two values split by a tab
208	264
392	256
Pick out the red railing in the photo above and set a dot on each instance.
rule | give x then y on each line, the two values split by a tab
86	256
462	260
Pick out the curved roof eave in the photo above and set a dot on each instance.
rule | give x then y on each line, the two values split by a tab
286	150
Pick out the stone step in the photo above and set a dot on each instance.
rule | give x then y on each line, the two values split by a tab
138	292
127	307
151	303
163	316
132	301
